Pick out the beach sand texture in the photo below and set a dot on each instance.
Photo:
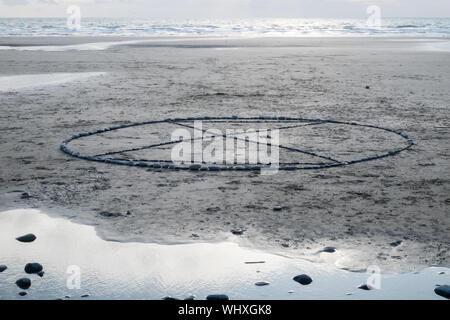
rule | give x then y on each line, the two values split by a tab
365	207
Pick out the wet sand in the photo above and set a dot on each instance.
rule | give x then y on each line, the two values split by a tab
364	207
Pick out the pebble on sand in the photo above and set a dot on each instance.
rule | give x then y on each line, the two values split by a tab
217	297
27	238
364	287
395	243
108	214
328	250
262	283
238	232
443	291
85	295
25	195
41	273
23	283
33	268
23	293
168	298
3	267
303	279
277	208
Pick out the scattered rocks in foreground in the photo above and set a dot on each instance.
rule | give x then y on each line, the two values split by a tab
33	268
27	238
168	298
23	283
443	291
277	208
303	279
85	295
22	294
217	297
3	267
40	273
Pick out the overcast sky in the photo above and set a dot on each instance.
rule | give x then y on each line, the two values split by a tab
225	8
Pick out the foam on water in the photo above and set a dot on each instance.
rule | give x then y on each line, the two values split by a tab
226	28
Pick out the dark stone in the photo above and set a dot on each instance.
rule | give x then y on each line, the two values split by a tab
22	294
23	283
277	208
27	238
367	87
261	284
25	196
41	274
303	279
85	295
364	287
33	268
108	214
328	249
238	232
169	298
396	243
443	291
217	297
190	298
195	166
3	268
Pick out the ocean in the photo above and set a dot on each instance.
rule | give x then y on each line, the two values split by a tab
424	27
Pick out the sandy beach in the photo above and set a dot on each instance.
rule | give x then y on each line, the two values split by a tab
393	212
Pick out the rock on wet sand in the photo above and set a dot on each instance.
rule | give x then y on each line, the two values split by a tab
364	287
27	238
443	291
217	297
261	283
23	283
3	267
33	268
303	279
328	250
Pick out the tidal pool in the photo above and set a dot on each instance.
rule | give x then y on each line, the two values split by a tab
116	270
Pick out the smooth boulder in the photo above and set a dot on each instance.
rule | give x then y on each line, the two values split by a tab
27	238
443	291
303	279
3	267
23	283
33	268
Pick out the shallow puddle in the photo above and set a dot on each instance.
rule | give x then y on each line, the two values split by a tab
115	270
